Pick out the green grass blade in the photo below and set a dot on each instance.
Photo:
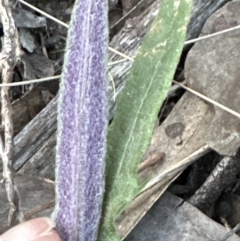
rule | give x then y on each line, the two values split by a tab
137	107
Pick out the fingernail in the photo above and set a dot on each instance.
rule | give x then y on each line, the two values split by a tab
29	230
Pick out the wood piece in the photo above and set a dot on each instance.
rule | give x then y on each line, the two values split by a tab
33	136
40	160
28	106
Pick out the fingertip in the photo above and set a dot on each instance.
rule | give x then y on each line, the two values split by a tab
52	236
31	230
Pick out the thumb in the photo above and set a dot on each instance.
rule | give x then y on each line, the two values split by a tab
39	229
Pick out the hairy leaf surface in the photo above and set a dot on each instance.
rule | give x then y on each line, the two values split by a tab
82	118
137	108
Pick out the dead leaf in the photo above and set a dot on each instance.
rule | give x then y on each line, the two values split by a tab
36	196
212	68
36	66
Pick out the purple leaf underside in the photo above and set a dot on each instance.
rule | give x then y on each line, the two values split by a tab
82	116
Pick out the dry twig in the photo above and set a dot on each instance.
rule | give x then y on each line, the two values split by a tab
9	57
223	175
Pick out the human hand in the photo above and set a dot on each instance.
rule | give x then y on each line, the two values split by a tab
39	229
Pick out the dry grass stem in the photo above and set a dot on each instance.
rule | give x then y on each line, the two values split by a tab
44	13
27	82
232	112
211	35
177	168
66	25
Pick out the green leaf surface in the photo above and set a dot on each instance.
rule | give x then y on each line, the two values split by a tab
137	108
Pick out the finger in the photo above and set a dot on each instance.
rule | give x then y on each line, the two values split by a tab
52	236
30	230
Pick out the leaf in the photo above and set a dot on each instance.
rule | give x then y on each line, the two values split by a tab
82	117
137	108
